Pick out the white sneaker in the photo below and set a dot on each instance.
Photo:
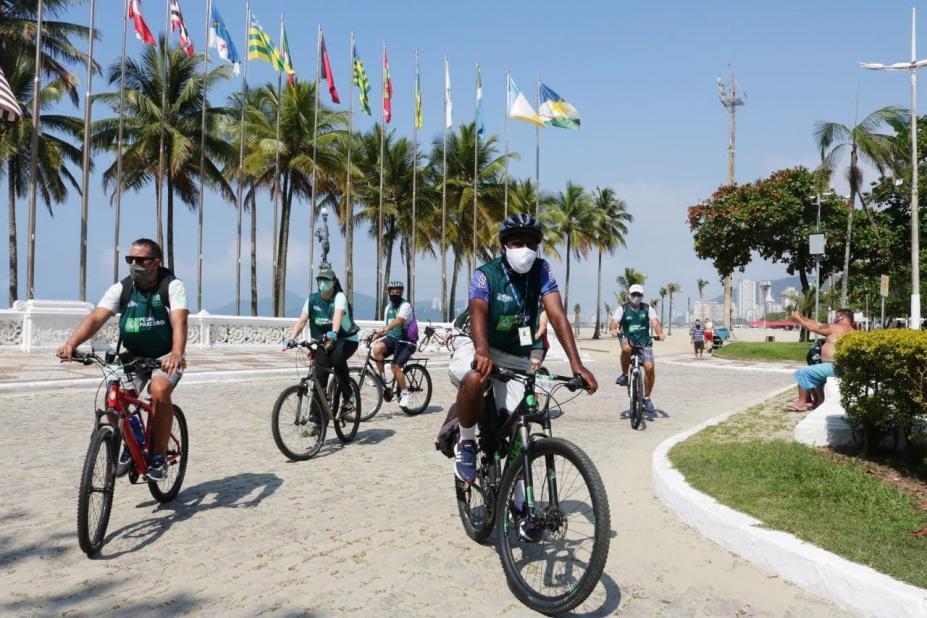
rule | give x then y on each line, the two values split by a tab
405	399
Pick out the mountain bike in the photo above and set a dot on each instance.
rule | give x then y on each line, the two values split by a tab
374	390
563	495
125	414
302	411
443	337
636	386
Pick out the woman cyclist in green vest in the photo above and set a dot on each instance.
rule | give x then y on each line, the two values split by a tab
328	314
397	315
633	320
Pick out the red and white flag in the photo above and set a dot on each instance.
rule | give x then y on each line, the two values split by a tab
9	106
177	24
142	33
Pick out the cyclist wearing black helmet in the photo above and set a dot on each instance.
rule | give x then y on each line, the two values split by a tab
399	338
506	296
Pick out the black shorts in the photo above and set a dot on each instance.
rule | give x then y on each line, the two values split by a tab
699	345
400	351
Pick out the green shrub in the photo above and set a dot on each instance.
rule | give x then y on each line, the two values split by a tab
883	384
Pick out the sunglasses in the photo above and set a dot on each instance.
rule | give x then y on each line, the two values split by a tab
519	244
139	259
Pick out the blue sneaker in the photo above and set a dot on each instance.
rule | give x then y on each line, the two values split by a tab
648	406
465	461
622	380
157	467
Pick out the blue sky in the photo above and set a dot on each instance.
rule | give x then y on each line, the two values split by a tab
641	75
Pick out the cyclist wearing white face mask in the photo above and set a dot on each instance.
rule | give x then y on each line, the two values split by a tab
634	319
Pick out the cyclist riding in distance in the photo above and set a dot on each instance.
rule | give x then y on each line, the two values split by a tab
397	340
633	320
153	324
330	317
505	298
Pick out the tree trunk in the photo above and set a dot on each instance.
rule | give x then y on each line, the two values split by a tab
598	299
453	299
407	253
349	252
851	205
282	243
14	266
566	291
662	307
170	222
669	321
388	246
803	334
254	291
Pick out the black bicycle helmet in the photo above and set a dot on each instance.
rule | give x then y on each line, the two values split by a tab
520	223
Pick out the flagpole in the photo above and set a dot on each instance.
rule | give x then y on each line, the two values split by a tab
505	163
444	308
122	104
278	295
537	159
348	207
241	164
413	252
36	108
315	146
476	154
380	207
85	184
199	242
165	78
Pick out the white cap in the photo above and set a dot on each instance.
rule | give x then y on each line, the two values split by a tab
636	289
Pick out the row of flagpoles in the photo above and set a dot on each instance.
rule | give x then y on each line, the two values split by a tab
552	110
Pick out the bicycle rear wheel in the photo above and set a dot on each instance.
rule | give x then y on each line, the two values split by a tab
371	391
637	399
178	448
298	428
346	423
418	381
558	572
95	494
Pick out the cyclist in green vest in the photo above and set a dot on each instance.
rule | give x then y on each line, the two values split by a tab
330	318
152	324
395	341
505	299
633	320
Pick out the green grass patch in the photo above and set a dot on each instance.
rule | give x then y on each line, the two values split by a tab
788	486
758	350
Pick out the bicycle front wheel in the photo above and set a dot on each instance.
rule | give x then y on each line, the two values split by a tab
95	495
637	399
371	391
178	448
298	427
346	421
557	571
418	381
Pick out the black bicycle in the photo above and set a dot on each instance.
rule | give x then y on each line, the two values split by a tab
561	493
636	386
302	412
374	390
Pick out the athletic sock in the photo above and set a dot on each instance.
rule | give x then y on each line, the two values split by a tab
519	494
468	433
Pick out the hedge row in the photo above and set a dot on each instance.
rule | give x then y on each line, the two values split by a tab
883	385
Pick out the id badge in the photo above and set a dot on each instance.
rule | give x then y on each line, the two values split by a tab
524	335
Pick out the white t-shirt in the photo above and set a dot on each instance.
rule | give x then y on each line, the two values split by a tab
176	293
404	312
619	313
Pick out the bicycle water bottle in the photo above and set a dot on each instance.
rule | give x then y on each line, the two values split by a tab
136	424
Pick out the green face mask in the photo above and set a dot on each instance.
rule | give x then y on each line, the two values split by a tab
138	273
326	286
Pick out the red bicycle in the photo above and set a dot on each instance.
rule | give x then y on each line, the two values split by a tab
442	338
125	414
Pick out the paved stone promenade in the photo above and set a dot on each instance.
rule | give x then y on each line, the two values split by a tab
369	528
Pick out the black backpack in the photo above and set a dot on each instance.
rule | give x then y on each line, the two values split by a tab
165	276
814	354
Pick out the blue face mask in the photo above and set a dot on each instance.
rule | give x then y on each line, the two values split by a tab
326	285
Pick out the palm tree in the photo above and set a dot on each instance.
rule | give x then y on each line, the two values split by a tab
671	288
867	146
702	284
572	217
54	178
182	122
629	277
662	292
612	219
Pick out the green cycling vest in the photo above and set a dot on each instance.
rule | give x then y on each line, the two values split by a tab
322	316
145	325
513	303
391	311
635	324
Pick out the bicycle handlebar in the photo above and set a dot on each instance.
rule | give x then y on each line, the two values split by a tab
133	364
571	383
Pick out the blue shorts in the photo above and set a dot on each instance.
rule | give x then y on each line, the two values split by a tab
814	376
400	350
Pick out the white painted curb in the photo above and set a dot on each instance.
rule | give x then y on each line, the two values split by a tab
851	585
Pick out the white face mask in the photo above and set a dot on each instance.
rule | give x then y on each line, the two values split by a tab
521	260
636	301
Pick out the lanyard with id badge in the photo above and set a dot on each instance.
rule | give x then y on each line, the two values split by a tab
521	319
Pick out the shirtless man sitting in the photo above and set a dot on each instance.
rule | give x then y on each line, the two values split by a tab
811	379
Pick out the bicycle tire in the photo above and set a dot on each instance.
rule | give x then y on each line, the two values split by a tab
346	425
297	424
557	523
371	391
637	399
418	380
90	534
178	450
423	344
478	517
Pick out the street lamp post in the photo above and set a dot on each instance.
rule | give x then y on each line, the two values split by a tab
912	67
